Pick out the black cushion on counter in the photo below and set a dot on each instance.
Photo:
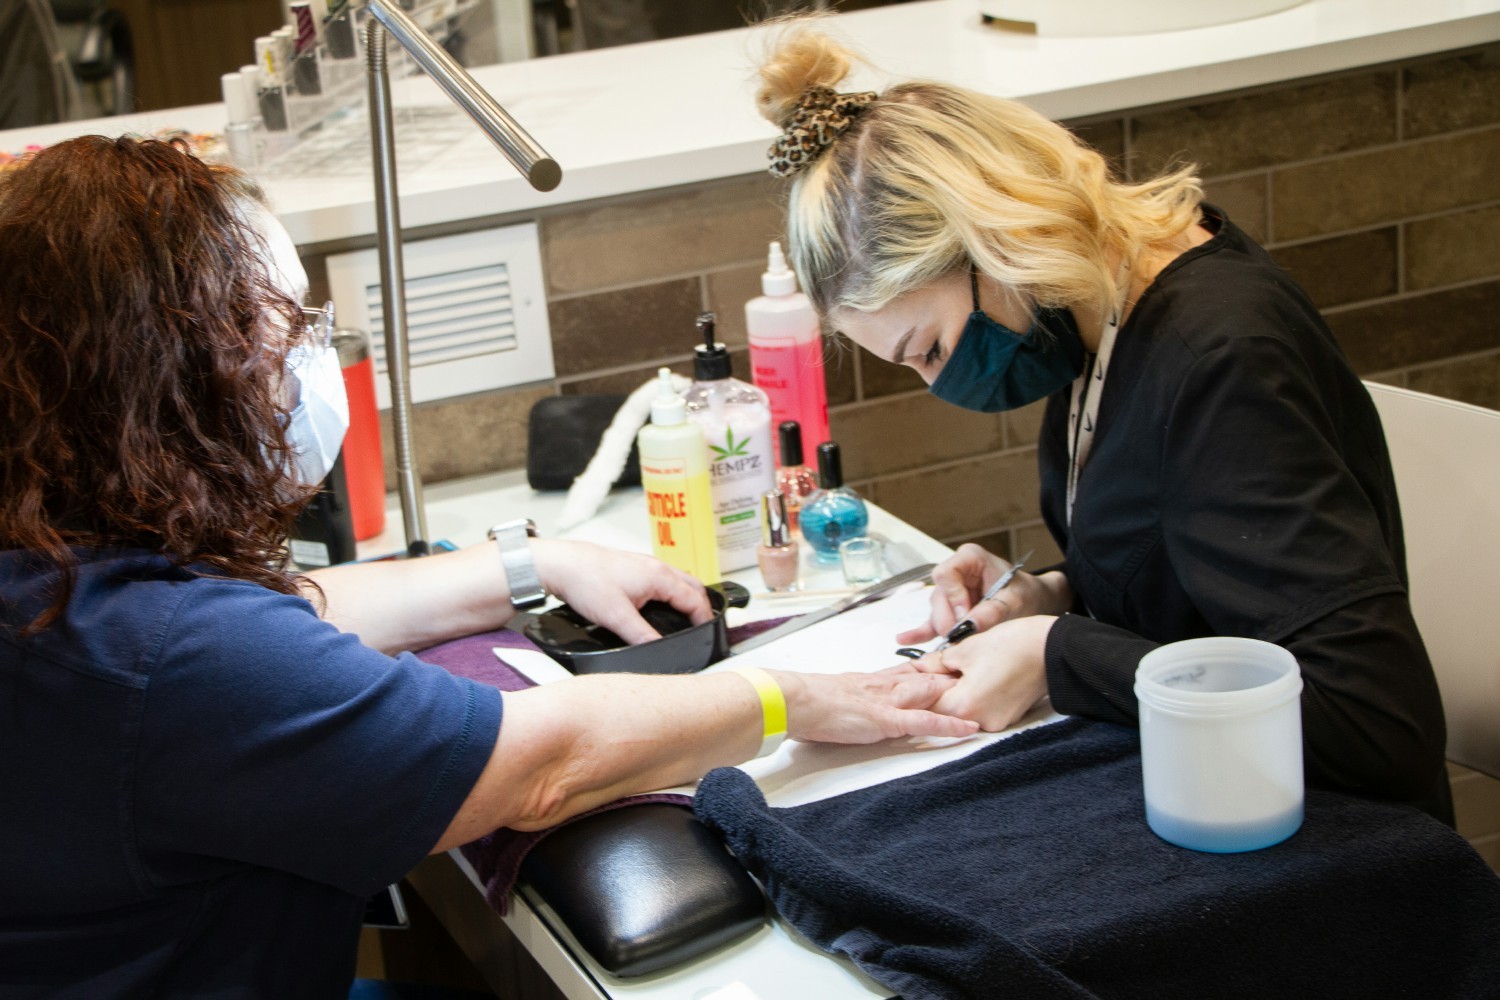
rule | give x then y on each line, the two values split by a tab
644	887
562	434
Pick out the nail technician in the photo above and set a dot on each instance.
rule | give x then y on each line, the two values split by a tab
1210	463
203	779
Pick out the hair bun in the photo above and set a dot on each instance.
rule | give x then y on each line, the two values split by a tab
802	60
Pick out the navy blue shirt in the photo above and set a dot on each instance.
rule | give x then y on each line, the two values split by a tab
203	781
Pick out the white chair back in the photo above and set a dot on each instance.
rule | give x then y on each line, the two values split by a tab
1446	456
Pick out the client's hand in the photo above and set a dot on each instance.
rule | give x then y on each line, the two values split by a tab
867	708
999	673
960	581
607	586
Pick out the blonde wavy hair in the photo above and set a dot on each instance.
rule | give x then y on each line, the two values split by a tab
931	177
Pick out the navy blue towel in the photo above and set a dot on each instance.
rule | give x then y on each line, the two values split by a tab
1027	870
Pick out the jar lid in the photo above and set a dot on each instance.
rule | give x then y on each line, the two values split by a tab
1217	676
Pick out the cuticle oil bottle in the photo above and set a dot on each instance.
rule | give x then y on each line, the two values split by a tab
675	479
735	419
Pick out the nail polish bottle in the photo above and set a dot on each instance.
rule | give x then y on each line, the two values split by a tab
795	480
834	513
777	554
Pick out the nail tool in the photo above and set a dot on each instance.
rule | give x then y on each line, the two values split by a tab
874	592
966	628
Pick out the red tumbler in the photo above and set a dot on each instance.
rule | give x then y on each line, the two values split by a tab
363	464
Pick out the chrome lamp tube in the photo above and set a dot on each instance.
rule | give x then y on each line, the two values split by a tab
539	169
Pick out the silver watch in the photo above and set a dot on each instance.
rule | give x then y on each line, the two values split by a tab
514	540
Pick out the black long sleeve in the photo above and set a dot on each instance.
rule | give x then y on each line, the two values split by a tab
1239	485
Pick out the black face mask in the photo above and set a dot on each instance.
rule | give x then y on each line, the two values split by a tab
995	368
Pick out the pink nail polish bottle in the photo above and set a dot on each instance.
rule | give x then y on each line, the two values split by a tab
794	479
777	554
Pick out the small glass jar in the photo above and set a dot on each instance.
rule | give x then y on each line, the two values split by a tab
863	561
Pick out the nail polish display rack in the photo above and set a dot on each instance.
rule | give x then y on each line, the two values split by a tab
324	86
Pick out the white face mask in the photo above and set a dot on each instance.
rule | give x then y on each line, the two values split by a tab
316	425
321	417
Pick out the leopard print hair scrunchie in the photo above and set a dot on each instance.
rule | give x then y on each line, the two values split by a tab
821	117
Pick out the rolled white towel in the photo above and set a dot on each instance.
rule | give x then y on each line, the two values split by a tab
592	484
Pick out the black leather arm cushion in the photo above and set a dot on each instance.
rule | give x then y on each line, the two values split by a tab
644	887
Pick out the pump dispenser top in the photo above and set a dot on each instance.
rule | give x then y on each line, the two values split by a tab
711	361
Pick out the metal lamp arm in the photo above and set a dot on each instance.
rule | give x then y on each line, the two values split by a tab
539	169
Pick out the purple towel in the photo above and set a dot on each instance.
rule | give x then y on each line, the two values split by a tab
497	856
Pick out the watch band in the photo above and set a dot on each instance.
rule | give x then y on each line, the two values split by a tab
514	541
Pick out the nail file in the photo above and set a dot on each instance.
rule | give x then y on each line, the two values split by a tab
873	592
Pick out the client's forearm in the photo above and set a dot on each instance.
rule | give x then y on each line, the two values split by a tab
565	748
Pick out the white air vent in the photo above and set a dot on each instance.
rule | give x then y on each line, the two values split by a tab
476	313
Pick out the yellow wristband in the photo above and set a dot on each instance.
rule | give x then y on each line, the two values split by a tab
772	708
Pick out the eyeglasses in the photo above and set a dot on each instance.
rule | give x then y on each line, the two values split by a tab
319	324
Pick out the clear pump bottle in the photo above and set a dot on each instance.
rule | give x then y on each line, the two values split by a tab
735	419
835	513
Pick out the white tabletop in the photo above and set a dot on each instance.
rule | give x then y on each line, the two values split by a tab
460	511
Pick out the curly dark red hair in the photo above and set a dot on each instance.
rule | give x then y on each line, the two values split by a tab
141	403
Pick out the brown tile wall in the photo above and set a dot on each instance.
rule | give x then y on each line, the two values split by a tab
1379	189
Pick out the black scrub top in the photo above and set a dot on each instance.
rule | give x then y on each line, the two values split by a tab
1239	485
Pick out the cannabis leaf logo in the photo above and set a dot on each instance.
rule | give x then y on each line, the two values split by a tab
732	448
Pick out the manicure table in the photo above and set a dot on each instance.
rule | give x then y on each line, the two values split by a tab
1016	863
772	962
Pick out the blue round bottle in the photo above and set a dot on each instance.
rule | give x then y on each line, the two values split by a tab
835	513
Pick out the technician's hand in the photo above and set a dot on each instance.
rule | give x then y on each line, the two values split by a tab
868	708
608	586
960	581
1000	673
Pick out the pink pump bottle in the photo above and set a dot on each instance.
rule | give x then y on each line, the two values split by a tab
786	353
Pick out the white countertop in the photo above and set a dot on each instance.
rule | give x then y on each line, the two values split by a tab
460	511
679	111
